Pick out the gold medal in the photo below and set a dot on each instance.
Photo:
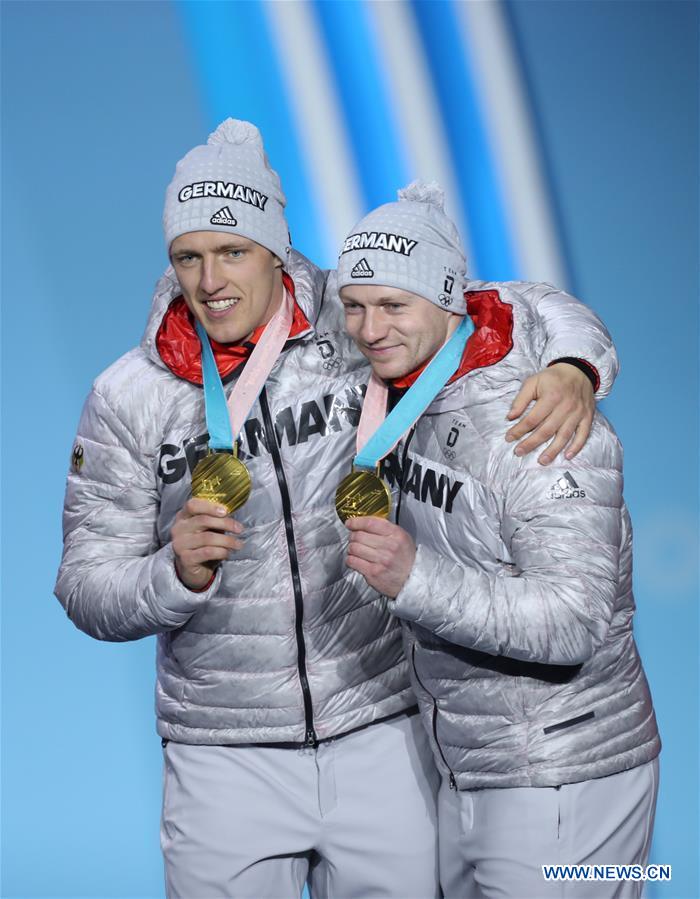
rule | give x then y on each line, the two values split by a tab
221	478
362	494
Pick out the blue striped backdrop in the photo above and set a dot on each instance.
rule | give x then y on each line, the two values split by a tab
567	134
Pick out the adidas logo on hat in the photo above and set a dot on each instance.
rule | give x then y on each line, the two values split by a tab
223	217
362	270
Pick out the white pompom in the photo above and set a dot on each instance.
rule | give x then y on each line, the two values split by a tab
235	131
420	192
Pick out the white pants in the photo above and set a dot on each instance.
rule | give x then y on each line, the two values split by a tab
356	816
494	842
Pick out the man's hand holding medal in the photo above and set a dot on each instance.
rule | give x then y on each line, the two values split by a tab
382	552
203	533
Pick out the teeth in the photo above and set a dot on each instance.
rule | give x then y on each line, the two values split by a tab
219	305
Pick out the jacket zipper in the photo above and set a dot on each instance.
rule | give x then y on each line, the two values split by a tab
310	739
453	779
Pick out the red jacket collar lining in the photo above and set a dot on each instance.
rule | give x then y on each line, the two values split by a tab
491	341
179	347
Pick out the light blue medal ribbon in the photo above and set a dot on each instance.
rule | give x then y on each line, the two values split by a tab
215	408
416	400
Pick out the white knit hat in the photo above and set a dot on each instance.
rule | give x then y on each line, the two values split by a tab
411	245
227	185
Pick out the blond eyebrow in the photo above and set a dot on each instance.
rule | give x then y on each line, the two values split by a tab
400	299
184	251
230	246
221	248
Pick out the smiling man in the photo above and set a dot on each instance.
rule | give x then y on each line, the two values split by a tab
515	596
292	749
209	265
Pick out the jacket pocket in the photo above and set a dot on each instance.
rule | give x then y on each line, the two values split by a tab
571	722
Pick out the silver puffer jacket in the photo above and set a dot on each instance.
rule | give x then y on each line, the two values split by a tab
518	609
287	644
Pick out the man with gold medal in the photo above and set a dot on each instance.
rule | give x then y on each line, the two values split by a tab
512	581
203	511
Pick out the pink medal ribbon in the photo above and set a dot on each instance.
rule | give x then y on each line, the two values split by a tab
261	362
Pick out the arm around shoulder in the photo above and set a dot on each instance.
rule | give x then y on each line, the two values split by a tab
572	330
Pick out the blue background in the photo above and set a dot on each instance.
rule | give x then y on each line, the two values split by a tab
99	102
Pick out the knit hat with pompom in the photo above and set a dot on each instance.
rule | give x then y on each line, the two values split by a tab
227	185
411	245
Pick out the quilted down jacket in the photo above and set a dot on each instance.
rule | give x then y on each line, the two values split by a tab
518	609
287	644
